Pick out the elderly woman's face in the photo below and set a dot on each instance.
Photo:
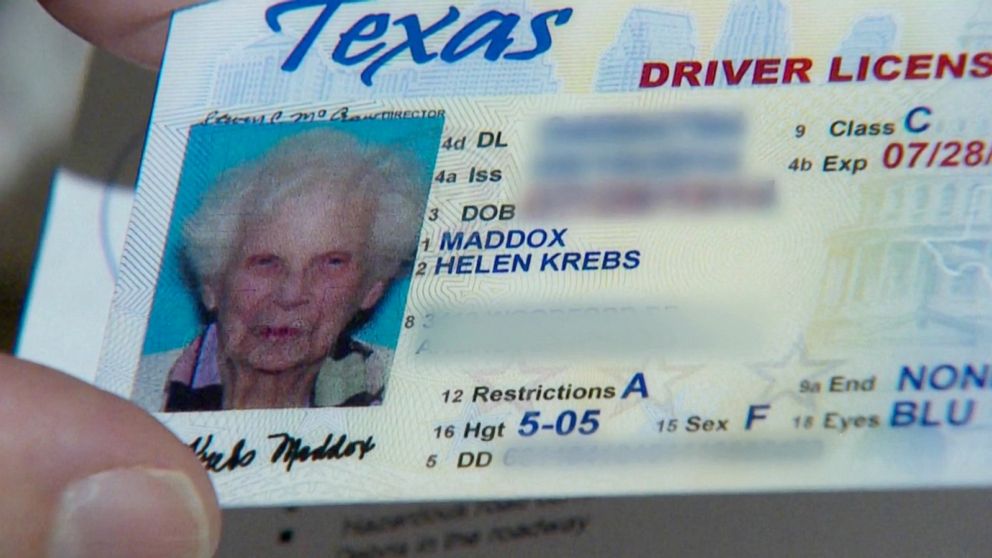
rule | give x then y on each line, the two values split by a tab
294	283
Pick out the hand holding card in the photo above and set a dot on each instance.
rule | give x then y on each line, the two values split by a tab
84	473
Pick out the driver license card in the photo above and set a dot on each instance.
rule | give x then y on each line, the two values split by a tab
391	250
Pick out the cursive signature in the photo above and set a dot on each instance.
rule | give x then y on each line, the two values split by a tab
293	450
215	461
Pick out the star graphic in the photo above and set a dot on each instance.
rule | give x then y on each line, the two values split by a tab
663	392
785	375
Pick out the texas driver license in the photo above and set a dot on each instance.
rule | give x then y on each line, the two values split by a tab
424	250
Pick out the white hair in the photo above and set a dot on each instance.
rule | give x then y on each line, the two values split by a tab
318	161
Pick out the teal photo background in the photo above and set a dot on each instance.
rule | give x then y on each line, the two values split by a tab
176	318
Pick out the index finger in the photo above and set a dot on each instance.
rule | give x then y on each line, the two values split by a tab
133	30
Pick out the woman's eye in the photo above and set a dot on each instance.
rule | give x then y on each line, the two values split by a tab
263	261
335	260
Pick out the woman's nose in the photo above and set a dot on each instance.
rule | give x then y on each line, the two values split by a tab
293	290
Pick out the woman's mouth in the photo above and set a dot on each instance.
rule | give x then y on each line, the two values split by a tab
277	333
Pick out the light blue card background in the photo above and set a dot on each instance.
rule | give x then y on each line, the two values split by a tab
176	318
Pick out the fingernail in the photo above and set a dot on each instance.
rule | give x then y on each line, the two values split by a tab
131	512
